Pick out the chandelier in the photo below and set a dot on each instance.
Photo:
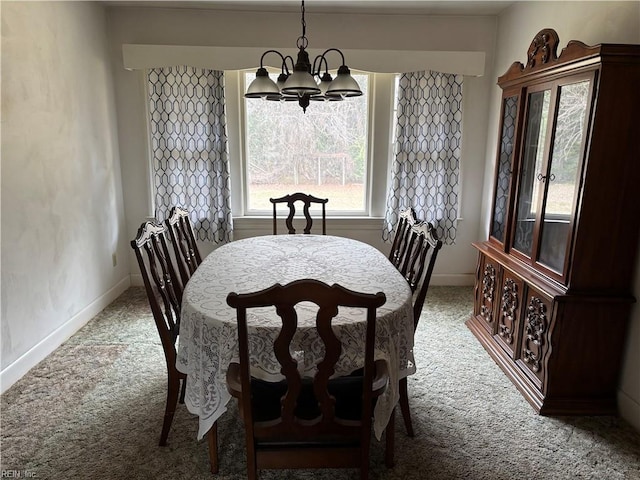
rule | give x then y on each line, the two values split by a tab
299	83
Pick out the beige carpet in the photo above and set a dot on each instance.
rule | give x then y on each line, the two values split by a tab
93	409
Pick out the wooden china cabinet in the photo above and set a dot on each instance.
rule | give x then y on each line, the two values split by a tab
553	289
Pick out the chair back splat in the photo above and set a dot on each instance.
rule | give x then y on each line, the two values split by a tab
306	201
304	422
419	262
184	242
164	292
406	220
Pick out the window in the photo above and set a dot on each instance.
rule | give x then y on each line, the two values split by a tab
323	152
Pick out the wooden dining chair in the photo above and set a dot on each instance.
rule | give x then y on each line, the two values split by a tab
164	292
306	201
184	242
304	422
416	265
406	219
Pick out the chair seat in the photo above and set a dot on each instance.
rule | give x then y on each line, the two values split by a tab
347	391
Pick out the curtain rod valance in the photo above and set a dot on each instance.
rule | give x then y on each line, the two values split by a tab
137	57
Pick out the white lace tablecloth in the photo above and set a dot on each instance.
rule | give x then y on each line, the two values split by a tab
208	334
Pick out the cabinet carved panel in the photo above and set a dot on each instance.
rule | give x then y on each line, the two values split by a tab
488	292
543	48
534	344
508	311
508	324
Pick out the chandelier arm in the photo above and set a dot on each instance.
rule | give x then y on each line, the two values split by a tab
318	62
332	50
284	64
282	57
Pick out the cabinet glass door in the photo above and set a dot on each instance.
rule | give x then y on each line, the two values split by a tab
562	181
529	189
503	176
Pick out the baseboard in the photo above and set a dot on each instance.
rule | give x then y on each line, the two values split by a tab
629	409
16	370
453	280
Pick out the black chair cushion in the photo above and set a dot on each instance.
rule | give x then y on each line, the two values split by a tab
346	390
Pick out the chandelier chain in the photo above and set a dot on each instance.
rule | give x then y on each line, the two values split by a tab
302	41
304	23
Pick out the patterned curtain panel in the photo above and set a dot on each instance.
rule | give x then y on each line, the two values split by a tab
424	173
189	148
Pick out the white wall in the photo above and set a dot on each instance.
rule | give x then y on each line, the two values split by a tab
591	23
62	210
456	264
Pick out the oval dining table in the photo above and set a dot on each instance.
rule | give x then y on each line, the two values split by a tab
208	340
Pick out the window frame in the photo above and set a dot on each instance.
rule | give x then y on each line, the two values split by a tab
380	111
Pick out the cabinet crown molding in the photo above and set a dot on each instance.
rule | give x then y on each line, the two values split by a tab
542	57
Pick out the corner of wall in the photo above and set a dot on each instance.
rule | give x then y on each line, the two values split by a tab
16	370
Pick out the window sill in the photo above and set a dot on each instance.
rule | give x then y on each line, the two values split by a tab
334	224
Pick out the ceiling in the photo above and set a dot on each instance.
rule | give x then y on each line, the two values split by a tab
387	7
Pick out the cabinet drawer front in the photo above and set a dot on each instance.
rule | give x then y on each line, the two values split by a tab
509	313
